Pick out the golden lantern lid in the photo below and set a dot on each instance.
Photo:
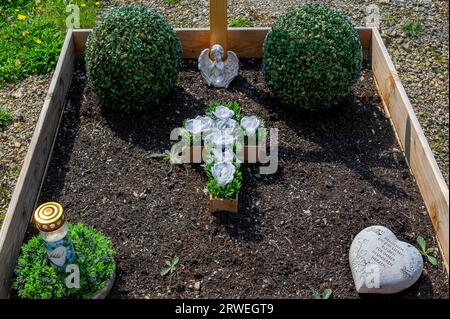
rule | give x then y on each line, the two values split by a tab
49	217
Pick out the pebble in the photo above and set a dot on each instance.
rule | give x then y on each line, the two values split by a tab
21	100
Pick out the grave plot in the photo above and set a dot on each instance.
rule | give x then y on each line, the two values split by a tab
294	226
342	183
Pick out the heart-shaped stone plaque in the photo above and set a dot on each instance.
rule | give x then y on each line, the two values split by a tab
58	256
382	264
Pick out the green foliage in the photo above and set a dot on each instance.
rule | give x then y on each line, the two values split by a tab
413	28
132	59
172	1
5	194
326	294
16	3
5	118
170	266
240	22
31	35
37	279
228	191
234	106
257	175
428	252
311	58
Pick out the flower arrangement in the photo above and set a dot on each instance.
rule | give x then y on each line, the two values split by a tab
222	131
221	124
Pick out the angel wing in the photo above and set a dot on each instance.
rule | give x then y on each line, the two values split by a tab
204	63
231	68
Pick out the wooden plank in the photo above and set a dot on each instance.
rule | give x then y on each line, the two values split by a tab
246	42
365	36
223	205
193	41
218	23
418	153
34	168
80	37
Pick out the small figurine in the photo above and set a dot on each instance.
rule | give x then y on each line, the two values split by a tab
218	73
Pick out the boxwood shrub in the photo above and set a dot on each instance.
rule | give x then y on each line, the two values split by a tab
132	59
311	57
36	278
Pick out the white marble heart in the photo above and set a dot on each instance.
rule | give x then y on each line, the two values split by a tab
382	264
58	256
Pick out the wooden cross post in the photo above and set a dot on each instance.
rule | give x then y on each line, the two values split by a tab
218	65
218	26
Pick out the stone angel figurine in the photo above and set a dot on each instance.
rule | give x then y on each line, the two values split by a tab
218	73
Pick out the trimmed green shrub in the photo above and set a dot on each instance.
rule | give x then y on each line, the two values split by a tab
311	58
132	59
36	278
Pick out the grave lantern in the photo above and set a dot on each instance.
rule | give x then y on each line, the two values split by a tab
50	220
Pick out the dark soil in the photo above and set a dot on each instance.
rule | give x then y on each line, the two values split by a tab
339	172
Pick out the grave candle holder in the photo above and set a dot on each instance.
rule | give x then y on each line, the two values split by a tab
50	220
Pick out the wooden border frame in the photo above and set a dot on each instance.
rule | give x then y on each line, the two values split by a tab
415	146
34	168
247	43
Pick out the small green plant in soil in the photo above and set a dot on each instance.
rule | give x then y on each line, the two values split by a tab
36	278
172	1
428	252
257	175
5	118
32	33
326	294
413	28
5	194
240	22
171	266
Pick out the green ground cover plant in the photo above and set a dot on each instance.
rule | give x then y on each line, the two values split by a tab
32	33
5	118
36	278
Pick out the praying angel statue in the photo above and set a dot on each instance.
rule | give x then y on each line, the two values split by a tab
218	73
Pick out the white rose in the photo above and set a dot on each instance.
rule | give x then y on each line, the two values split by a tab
227	125
222	156
222	112
200	124
220	139
223	172
250	124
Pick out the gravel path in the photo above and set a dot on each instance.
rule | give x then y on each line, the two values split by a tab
422	63
24	100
